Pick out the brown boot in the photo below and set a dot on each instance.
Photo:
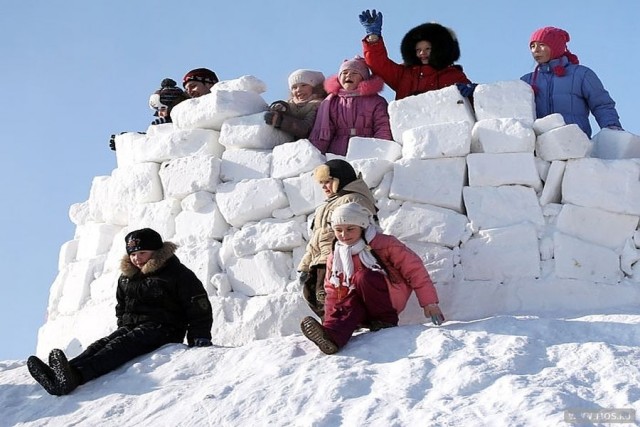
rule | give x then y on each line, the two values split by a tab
314	331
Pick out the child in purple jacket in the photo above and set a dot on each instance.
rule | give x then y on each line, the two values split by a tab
352	108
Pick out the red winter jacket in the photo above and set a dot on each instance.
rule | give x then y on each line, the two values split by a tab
406	273
409	80
343	114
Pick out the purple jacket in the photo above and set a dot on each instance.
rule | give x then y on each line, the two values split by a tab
343	114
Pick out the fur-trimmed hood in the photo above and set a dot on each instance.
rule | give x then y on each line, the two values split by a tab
372	86
155	263
444	45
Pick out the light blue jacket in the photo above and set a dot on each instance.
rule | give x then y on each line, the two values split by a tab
573	95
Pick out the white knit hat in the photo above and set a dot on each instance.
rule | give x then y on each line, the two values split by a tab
310	77
351	213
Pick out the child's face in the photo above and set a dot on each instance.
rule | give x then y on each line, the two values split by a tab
140	258
163	112
423	51
350	79
301	92
540	52
195	88
347	234
327	187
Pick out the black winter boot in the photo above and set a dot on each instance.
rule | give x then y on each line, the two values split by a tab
67	377
44	375
313	330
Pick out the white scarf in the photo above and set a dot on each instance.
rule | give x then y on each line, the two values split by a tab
343	263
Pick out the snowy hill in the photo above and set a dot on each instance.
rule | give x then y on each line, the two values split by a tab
533	246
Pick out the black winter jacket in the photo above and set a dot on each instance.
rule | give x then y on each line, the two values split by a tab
164	291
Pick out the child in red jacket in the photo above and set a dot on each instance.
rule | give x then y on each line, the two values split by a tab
428	51
370	277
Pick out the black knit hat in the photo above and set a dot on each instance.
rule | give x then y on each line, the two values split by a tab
145	239
203	75
445	49
168	96
338	169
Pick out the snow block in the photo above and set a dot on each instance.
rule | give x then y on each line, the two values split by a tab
503	169
245	164
552	191
268	234
95	239
615	144
566	142
547	123
424	223
303	193
577	259
181	177
164	143
499	207
200	219
436	141
610	185
372	170
67	254
243	83
160	216
437	259
587	224
251	132
264	273
429	108
125	145
75	288
80	213
373	148
138	183
437	182
202	259
250	200
506	99
210	111
98	198
501	254
295	158
502	136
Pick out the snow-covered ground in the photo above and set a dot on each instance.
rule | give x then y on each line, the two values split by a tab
532	242
498	371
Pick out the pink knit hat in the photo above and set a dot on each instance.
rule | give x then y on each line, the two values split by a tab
553	37
357	64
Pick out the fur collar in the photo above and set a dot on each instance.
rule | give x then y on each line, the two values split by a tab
155	263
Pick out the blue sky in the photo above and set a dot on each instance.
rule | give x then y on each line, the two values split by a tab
75	72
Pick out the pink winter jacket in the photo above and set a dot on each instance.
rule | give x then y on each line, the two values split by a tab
343	114
405	270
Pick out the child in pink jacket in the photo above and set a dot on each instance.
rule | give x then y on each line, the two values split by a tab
352	108
370	277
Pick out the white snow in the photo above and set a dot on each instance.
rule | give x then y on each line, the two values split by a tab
537	268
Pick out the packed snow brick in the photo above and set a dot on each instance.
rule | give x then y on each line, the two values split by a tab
95	239
268	234
429	108
202	259
373	148
498	207
98	198
424	223
552	191
506	99
372	170
436	141
201	219
611	185
138	183
245	164
181	177
566	142
160	216
437	182
502	254
615	144
125	144
502	136
294	158
264	273
165	142
303	193
67	253
577	259
486	169
250	200
547	123
251	131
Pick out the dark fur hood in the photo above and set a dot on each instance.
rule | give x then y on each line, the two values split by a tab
444	45
155	263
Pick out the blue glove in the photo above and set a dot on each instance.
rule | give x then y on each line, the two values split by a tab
466	89
372	22
202	342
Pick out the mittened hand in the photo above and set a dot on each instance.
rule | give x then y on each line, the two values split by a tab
202	342
372	22
273	118
433	312
112	142
466	89
161	120
279	106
